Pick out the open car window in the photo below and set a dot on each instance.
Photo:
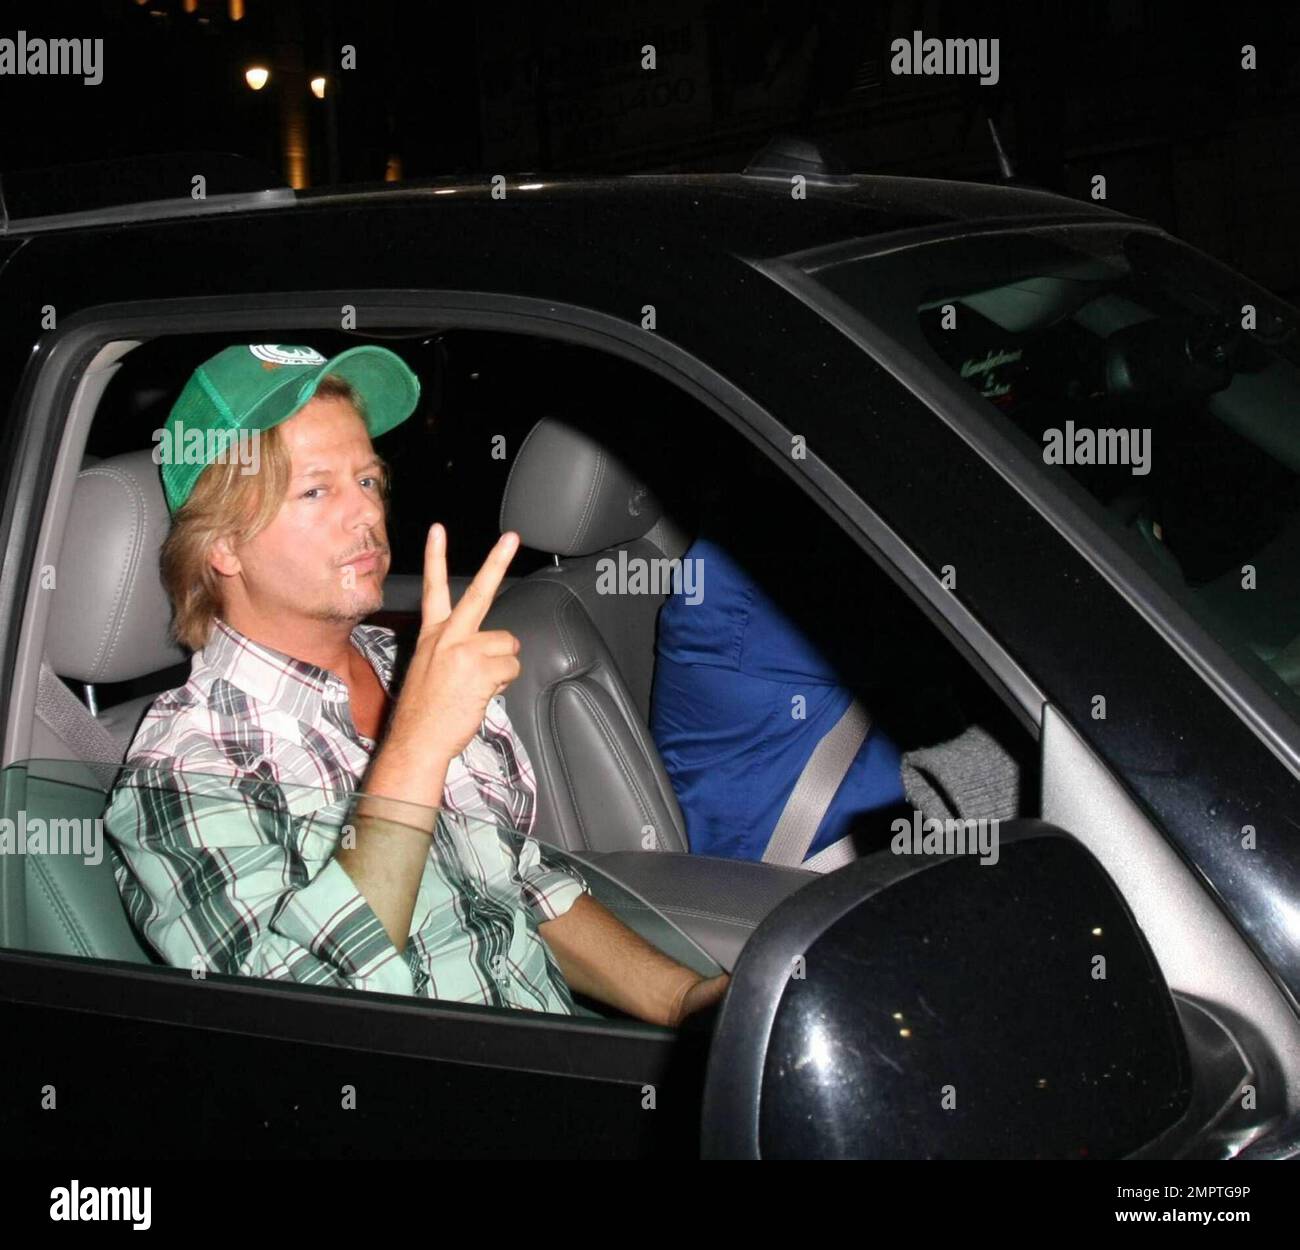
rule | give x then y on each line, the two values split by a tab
214	874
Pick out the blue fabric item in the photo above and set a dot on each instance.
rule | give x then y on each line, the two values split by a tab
728	669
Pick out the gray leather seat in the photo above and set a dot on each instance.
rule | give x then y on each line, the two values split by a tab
109	618
582	703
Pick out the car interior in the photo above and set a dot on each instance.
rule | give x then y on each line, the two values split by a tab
512	432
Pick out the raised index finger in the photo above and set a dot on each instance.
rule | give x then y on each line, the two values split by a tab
436	600
473	605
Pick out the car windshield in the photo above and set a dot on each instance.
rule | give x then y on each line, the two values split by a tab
217	874
1161	387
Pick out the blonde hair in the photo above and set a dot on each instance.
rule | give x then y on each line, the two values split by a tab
228	503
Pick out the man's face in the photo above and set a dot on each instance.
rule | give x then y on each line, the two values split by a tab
325	556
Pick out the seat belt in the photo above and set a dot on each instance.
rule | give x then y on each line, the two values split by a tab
812	794
70	720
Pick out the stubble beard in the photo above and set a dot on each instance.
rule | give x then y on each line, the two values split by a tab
360	601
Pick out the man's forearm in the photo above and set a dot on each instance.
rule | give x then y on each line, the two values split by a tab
406	772
604	959
393	821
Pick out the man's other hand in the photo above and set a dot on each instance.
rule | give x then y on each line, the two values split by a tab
703	994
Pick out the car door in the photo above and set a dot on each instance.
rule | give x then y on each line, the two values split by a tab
1151	755
202	1063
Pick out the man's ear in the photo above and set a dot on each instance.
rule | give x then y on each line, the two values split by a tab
222	557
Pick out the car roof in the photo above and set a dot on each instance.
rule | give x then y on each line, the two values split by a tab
758	210
747	213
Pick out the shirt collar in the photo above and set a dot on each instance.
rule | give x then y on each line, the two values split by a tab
281	681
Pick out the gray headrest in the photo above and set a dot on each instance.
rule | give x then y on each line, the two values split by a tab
568	495
109	615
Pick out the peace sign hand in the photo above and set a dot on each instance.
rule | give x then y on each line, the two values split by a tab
457	669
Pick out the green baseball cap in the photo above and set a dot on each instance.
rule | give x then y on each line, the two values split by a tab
256	386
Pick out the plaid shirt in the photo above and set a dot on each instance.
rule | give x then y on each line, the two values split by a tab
236	793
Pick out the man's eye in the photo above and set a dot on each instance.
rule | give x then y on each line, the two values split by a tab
311	494
373	480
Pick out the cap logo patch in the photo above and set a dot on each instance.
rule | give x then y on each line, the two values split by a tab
275	354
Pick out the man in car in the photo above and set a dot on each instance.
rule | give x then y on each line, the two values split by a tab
288	813
755	709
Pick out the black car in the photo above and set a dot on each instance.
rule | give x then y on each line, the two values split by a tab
1035	460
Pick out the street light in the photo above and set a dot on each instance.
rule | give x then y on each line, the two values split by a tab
256	76
318	86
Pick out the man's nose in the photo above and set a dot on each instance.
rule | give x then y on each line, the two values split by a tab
368	509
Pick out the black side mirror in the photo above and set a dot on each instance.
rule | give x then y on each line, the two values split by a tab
930	1006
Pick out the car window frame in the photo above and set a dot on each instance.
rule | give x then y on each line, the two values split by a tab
42	410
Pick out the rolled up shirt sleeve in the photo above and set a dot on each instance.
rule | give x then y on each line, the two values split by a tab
211	869
547	885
